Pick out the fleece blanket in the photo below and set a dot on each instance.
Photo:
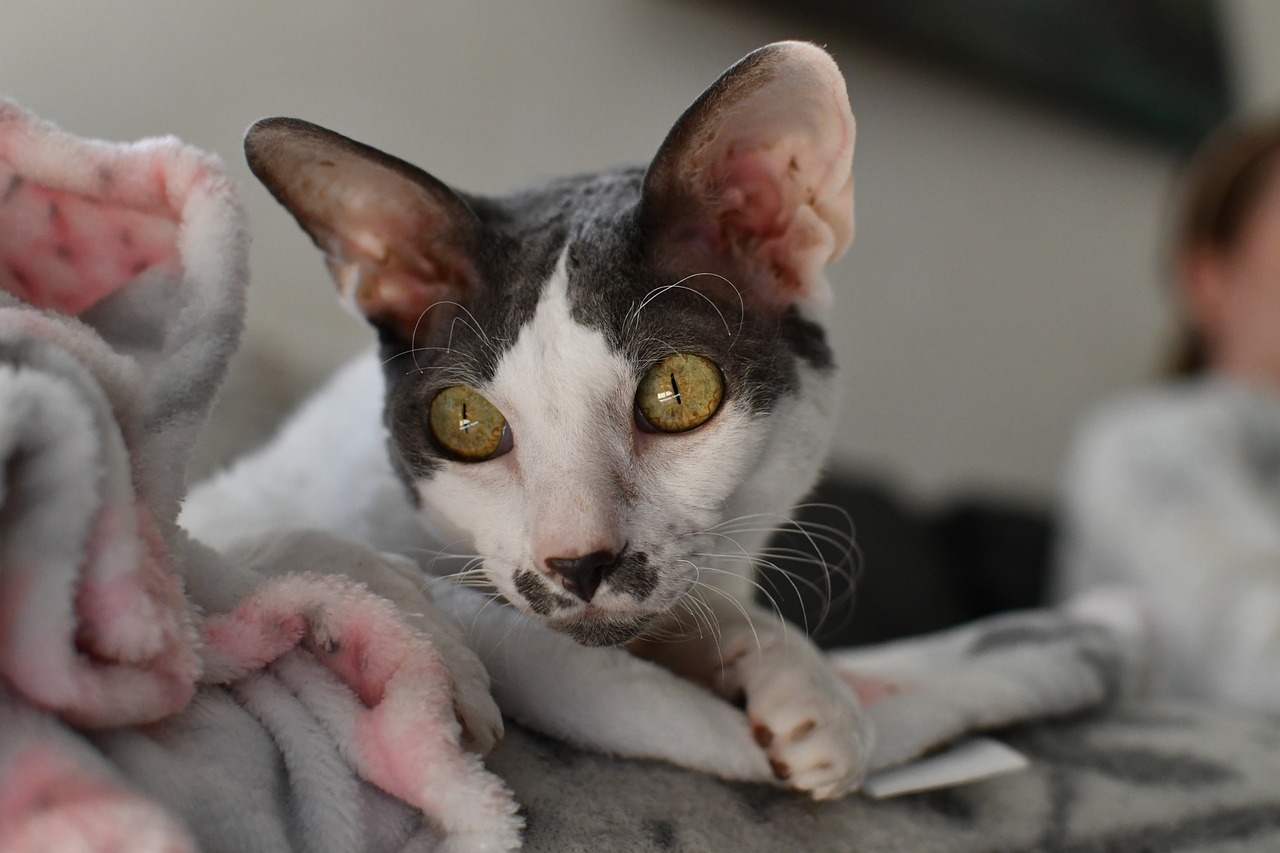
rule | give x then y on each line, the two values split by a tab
155	695
295	691
1168	777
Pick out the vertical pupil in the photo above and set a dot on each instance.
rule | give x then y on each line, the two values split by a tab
465	424
676	388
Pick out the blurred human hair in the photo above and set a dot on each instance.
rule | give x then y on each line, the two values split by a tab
1221	187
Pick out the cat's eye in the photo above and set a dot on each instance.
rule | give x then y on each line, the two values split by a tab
679	393
467	426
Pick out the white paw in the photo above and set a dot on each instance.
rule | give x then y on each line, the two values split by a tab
807	721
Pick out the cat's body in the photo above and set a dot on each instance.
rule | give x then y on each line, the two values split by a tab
609	388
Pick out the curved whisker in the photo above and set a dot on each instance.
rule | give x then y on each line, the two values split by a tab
698	608
737	606
469	321
824	594
831	578
634	314
777	611
818	532
842	543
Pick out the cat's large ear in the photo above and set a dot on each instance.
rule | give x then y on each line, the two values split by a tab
396	240
755	180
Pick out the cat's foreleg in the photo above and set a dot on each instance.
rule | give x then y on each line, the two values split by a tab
804	717
602	698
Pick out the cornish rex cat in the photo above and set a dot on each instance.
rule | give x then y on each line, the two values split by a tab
607	389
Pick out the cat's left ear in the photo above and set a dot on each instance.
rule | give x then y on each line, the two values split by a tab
755	180
397	241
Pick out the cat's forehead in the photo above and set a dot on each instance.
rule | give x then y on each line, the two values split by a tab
615	281
582	233
585	218
571	206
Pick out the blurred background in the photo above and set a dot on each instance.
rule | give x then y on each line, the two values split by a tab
1014	162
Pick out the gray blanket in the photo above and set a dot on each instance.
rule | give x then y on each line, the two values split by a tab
1162	777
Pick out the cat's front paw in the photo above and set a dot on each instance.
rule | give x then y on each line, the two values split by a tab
807	722
473	702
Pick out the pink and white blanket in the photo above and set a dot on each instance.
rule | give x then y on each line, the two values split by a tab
155	695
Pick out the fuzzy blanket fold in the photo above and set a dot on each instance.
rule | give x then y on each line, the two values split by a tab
297	691
119	268
154	694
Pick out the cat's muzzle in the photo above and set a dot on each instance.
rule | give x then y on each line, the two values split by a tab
611	618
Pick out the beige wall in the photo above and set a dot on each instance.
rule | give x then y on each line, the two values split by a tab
1005	273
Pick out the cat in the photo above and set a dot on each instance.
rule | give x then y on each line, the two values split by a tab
610	387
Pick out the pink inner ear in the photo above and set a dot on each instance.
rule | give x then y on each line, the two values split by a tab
782	207
67	252
759	172
753	195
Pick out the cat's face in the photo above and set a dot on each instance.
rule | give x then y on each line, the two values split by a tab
616	412
590	381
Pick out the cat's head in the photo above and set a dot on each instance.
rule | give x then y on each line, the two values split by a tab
611	384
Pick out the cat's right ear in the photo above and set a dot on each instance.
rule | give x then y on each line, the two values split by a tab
396	240
755	183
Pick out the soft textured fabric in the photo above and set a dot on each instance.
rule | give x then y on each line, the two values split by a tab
1174	494
1170	778
154	694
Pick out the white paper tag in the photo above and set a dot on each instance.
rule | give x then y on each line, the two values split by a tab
967	761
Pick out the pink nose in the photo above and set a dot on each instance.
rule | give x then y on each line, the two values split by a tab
582	575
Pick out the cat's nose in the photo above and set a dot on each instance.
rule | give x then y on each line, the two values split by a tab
582	575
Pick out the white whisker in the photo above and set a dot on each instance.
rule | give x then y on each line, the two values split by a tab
634	314
768	561
738	606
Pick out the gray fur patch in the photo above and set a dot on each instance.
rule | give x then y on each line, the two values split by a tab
541	600
634	576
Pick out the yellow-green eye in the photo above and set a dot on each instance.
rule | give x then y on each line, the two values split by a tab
467	426
679	393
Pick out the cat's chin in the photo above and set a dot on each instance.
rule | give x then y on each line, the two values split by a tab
592	630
